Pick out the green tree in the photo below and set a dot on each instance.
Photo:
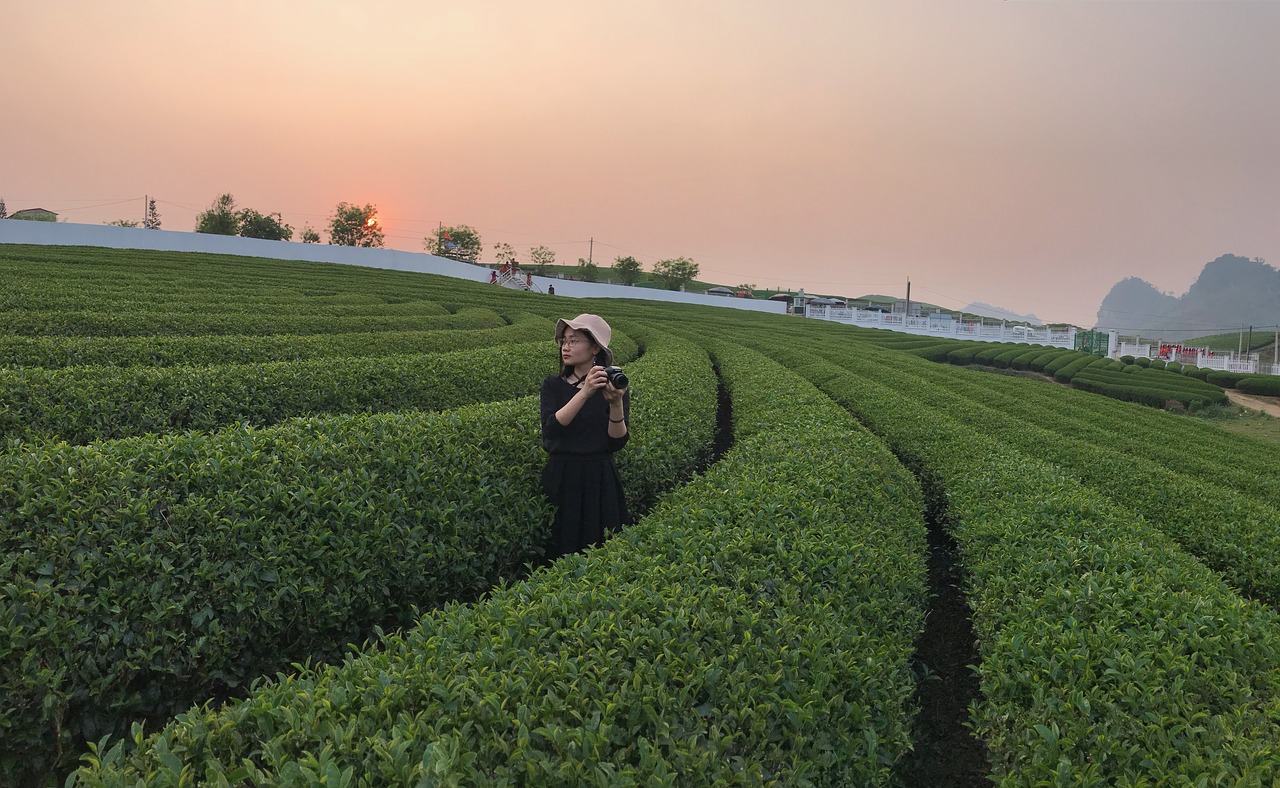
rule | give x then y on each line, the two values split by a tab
542	259
628	269
457	243
4	212
504	253
221	218
310	236
122	223
268	226
354	225
152	220
588	271
676	273
44	216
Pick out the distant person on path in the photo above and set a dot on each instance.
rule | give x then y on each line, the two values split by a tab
493	277
584	421
551	289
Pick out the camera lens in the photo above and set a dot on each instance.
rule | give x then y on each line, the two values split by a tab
616	377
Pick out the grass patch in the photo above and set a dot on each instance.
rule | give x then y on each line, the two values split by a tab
1234	418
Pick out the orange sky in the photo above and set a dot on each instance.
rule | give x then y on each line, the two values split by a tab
1024	153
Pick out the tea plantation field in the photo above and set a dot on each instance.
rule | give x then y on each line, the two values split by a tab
272	522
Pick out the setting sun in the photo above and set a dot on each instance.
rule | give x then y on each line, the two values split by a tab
371	221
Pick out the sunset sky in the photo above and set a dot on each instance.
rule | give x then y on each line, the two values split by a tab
1025	153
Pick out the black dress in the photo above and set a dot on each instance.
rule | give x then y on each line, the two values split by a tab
580	478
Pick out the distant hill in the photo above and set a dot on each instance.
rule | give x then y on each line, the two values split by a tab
1231	290
987	310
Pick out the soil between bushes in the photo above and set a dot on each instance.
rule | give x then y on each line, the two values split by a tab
946	753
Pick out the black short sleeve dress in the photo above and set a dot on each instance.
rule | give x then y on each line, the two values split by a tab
580	478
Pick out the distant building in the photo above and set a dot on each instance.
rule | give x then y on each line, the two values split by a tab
719	291
900	308
35	215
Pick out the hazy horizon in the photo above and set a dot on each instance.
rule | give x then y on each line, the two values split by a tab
1023	154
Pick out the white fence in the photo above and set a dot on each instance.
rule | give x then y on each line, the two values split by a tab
1131	349
1221	360
944	326
64	233
1228	362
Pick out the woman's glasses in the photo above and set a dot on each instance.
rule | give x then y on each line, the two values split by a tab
572	341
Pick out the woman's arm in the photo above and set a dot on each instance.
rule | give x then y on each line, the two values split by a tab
595	380
619	410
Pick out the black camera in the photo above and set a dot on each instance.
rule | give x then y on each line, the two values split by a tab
617	378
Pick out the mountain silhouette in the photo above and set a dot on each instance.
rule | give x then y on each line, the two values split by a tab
1230	291
988	310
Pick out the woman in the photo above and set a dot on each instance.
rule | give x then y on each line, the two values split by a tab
584	421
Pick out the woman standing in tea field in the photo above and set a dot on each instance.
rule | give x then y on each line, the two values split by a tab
585	412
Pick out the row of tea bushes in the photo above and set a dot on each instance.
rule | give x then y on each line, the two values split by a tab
120	324
140	576
1232	533
1065	373
1151	387
937	350
1072	357
1109	656
1202	452
1259	385
89	279
231	308
483	328
1256	384
680	400
84	404
1155	388
37	293
754	629
1002	355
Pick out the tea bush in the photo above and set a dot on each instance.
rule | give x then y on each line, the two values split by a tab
84	404
142	575
1084	616
756	628
469	328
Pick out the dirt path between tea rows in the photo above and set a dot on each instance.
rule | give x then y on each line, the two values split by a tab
1253	403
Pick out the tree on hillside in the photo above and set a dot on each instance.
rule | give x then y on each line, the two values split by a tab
310	236
221	218
122	223
354	225
504	253
4	212
268	226
460	242
152	220
628	269
676	273
588	271
542	259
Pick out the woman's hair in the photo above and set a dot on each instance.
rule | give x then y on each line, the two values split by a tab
566	370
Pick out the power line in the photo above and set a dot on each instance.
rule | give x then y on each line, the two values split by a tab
99	205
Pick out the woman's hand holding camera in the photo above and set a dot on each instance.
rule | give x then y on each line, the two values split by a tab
597	379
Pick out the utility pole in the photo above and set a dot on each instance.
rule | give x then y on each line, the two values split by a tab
1240	341
1249	345
591	248
908	312
145	203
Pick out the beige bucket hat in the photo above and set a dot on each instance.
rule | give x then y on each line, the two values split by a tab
593	325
